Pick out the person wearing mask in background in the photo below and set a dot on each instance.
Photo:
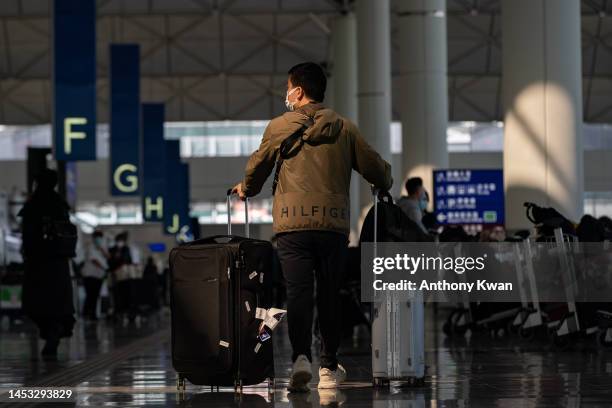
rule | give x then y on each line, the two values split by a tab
311	212
415	204
498	233
94	272
47	288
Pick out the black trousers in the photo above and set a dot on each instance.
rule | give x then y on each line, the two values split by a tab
306	257
92	293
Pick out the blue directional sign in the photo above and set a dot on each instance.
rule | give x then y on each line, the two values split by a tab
124	119
152	165
176	219
74	79
464	196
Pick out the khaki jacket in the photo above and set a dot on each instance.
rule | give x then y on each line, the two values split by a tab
313	185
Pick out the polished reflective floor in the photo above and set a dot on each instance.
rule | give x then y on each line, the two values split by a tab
129	365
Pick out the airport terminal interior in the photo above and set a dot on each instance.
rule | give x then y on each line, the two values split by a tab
130	265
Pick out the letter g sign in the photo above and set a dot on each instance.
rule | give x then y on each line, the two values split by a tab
129	183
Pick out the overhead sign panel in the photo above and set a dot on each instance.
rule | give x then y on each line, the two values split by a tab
465	196
124	119
74	79
153	158
176	197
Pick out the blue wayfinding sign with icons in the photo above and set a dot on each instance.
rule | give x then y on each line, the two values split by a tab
152	162
124	119
465	196
74	79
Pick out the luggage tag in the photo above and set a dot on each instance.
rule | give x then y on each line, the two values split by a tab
272	318
271	322
276	313
264	335
260	313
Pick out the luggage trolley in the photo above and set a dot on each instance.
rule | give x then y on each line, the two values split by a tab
493	316
604	319
461	318
595	319
479	316
562	330
529	319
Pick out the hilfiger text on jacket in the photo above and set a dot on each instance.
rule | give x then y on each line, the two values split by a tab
314	210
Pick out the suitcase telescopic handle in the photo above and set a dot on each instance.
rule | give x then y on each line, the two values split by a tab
378	195
375	192
229	215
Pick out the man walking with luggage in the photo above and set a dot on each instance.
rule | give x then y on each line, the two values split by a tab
314	150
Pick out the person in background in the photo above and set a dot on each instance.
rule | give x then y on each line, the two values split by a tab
416	202
47	288
430	223
150	268
496	233
150	280
121	267
164	278
606	222
94	272
590	229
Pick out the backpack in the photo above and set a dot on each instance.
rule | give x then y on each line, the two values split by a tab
547	219
393	225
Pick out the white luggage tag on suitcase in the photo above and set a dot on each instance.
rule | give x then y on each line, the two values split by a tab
398	332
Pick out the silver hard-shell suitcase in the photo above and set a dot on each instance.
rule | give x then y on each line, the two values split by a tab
398	334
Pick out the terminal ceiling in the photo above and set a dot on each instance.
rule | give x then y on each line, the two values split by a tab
227	59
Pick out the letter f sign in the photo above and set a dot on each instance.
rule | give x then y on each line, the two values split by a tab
70	134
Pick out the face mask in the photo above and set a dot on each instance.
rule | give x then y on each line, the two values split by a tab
290	105
423	204
98	241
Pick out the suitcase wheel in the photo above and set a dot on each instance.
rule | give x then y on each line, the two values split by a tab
380	382
238	386
271	385
181	386
416	382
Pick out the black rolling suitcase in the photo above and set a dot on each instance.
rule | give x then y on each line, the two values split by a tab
218	314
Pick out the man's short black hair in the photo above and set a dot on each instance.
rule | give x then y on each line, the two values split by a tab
413	184
311	78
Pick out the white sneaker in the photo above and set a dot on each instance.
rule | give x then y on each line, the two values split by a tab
330	396
331	379
300	375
